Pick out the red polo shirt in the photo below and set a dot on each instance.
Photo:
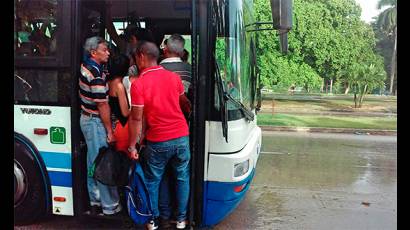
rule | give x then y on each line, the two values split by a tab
158	91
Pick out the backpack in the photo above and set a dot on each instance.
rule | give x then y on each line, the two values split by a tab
136	195
111	167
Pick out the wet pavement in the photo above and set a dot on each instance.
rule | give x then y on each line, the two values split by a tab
321	181
307	181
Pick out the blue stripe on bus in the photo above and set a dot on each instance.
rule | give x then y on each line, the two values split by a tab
57	160
63	179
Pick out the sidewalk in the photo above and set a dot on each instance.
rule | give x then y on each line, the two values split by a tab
330	130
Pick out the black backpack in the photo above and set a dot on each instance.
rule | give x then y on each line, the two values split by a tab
112	167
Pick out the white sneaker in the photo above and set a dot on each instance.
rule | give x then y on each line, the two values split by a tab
152	225
181	224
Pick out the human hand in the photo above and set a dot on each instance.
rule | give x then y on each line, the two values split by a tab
133	153
110	137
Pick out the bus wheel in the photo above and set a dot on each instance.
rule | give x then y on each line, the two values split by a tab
29	189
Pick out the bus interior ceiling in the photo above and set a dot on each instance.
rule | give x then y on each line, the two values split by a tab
160	16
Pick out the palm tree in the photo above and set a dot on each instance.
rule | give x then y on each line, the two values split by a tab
387	23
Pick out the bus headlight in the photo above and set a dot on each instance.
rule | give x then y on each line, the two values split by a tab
241	168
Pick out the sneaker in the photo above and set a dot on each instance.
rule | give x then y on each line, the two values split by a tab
152	225
116	212
181	224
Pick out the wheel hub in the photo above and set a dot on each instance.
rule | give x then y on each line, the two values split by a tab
20	184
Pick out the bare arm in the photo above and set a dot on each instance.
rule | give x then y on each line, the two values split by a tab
122	98
185	104
105	112
135	125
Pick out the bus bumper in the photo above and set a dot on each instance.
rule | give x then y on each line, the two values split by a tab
223	198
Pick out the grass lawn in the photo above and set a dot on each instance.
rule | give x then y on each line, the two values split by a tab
386	123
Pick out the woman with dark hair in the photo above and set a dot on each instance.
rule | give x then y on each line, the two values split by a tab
118	100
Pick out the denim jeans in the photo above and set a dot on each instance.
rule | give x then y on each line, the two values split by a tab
96	137
155	158
167	195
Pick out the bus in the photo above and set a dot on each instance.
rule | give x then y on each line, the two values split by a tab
49	149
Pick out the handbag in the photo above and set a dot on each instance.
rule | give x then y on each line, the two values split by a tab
112	167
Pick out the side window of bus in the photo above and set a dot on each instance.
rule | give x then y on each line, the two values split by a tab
42	86
35	27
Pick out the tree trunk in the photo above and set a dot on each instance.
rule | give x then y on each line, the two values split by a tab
331	86
347	89
321	87
355	100
393	62
362	96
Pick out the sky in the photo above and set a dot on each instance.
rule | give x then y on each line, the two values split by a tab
369	9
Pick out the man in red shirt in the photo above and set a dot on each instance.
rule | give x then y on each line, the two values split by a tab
156	95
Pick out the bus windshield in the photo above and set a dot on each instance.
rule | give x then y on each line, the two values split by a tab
232	52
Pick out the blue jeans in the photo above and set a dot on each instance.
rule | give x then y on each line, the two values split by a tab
167	195
96	137
155	158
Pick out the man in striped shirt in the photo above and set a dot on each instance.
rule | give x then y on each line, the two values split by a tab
95	122
173	51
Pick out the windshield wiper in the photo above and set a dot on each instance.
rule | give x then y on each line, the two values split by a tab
248	114
224	97
222	101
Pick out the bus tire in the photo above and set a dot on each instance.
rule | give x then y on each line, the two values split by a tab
29	189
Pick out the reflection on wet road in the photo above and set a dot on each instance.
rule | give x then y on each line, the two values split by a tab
321	181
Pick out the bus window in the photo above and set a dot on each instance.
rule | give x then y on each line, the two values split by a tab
35	27
42	86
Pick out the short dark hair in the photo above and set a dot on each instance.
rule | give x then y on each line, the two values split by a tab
118	66
149	49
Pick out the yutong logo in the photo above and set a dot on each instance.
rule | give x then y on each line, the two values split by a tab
35	111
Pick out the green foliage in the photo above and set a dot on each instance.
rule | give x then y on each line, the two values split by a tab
328	41
386	29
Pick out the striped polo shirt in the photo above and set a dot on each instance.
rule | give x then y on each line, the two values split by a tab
92	87
183	69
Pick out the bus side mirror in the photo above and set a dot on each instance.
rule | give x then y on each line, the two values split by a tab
282	20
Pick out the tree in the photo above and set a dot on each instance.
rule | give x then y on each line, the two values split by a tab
365	75
387	23
326	40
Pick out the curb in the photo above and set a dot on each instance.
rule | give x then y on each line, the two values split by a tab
329	130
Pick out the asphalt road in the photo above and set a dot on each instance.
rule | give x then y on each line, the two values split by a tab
321	181
306	181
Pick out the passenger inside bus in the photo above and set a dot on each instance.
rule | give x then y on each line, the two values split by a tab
95	123
127	41
118	100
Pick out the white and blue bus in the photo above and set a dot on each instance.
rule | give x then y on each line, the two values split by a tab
50	152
